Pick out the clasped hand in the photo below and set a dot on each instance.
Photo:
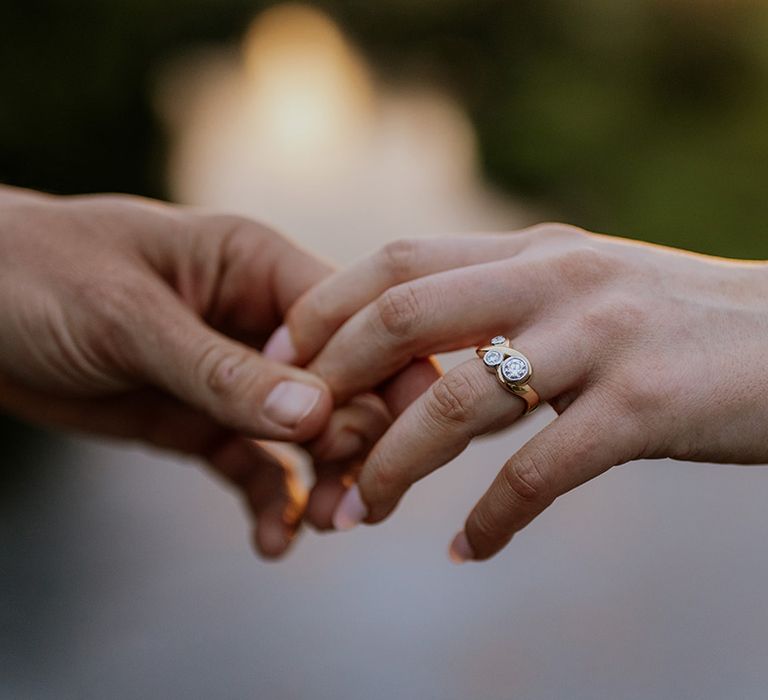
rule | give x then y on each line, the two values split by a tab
138	320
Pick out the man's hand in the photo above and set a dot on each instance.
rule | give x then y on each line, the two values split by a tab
130	318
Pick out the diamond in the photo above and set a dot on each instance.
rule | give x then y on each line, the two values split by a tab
493	358
515	369
498	340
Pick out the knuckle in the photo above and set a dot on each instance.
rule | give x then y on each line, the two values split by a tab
399	311
229	238
398	258
524	480
134	210
452	398
616	316
585	266
114	201
558	231
219	370
236	226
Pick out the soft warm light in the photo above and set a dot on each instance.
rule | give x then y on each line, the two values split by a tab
309	91
293	131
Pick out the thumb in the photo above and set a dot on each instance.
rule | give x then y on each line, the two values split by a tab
230	381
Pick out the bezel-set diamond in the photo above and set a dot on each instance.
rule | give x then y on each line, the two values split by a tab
493	358
512	369
515	369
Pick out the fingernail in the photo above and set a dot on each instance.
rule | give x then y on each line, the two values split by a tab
351	510
289	403
460	549
345	445
280	347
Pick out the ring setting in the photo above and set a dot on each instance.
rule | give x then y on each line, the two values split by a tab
513	370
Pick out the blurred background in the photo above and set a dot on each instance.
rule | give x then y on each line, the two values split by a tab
128	574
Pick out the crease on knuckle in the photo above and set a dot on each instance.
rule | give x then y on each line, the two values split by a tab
453	399
398	258
220	370
399	311
525	481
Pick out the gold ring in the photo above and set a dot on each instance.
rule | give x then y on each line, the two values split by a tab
512	369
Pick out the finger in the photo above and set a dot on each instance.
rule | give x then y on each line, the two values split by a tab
171	348
295	271
268	484
289	270
467	402
442	312
340	449
353	431
409	384
351	434
241	276
319	313
273	494
586	440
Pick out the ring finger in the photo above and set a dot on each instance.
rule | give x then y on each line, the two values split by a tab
467	402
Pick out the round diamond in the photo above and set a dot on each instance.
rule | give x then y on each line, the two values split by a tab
515	369
493	358
498	340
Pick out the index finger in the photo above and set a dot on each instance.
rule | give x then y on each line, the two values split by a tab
260	273
318	314
442	312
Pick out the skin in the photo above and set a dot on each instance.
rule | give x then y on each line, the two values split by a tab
643	352
133	319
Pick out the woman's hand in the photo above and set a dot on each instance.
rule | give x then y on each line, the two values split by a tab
643	351
134	319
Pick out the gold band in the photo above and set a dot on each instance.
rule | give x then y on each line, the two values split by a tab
512	369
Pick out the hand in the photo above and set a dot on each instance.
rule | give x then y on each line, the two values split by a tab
134	319
643	351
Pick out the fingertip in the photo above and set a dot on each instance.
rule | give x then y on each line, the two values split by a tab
272	538
280	347
351	510
460	550
323	502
